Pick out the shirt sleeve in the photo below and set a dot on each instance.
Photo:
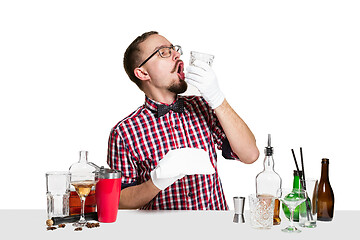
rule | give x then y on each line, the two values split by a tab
220	138
119	157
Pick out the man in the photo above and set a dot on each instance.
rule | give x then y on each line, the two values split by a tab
166	148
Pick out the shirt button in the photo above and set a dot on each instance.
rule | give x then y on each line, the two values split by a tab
176	127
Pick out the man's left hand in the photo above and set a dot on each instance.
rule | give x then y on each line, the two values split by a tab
204	79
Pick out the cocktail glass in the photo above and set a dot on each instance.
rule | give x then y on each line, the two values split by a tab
291	198
83	182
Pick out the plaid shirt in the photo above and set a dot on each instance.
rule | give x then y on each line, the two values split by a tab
141	140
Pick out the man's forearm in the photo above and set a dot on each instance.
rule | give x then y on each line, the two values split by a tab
137	196
241	139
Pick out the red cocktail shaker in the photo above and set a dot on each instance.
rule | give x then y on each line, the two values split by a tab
108	194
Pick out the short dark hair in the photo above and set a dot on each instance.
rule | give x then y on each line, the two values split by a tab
132	56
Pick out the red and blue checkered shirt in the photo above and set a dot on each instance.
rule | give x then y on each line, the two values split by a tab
141	140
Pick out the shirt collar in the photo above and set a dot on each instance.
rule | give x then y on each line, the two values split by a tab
152	104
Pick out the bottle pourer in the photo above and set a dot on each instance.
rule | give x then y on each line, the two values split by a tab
269	150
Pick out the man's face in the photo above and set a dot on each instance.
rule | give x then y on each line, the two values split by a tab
165	73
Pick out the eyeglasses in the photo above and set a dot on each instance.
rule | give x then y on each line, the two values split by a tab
164	52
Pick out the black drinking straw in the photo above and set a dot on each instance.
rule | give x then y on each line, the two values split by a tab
303	169
297	166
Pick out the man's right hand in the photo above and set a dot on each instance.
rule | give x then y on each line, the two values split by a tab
178	163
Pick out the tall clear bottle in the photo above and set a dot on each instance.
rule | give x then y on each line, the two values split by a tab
268	181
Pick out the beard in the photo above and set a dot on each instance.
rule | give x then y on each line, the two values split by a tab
178	88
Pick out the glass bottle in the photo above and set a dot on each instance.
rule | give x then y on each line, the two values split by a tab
325	211
268	181
296	185
74	201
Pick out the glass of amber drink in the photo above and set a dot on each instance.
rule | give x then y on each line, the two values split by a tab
83	182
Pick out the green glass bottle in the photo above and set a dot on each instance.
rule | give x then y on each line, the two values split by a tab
296	185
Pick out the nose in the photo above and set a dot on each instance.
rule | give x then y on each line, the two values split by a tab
175	55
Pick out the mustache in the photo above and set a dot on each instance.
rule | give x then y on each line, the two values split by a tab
176	65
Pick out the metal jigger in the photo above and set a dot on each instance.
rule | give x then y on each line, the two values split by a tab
239	203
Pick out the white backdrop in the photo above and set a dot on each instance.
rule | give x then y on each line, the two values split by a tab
288	68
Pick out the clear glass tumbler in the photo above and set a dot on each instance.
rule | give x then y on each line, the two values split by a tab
261	211
207	58
308	209
58	193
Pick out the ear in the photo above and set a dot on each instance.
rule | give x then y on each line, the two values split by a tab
141	74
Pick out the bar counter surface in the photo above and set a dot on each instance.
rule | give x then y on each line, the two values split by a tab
140	224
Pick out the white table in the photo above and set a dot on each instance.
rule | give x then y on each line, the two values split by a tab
137	224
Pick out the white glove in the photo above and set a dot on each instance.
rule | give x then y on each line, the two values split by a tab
204	79
178	163
162	183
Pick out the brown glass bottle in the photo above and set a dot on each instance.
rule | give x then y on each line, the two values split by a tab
325	211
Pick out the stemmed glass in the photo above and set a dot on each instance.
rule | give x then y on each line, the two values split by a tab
291	198
83	182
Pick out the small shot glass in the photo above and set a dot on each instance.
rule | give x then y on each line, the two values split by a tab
239	203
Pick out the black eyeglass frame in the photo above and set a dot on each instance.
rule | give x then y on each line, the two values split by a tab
157	51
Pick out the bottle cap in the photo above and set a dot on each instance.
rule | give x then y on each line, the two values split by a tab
298	174
325	160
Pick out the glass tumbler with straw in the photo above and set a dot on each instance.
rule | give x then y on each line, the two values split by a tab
303	185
